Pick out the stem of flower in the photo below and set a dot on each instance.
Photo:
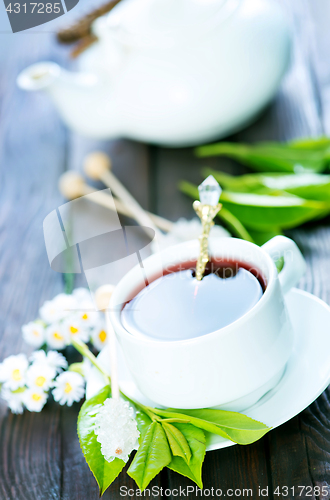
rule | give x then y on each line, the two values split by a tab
176	420
144	408
85	352
235	226
83	349
77	367
113	357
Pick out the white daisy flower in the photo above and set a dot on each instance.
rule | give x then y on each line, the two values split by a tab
87	314
68	387
57	337
74	329
60	307
99	335
116	429
13	371
53	359
34	334
40	376
14	399
34	399
81	294
185	230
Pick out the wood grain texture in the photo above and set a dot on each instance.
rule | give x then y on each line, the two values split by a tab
130	164
32	145
77	481
39	453
297	453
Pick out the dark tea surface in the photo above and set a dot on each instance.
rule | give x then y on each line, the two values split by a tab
178	307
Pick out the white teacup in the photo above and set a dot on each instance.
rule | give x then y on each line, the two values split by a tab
231	367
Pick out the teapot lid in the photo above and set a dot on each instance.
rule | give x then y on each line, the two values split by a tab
162	22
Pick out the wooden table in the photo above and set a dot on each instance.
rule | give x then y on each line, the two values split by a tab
40	454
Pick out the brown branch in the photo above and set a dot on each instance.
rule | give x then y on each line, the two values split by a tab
82	28
82	45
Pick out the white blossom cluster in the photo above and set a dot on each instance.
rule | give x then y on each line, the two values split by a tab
64	318
116	429
27	383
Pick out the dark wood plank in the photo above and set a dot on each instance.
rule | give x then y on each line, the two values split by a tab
78	482
31	461
297	452
314	424
40	452
317	21
300	449
235	468
39	157
131	165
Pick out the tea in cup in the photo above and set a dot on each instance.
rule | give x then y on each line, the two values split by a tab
227	291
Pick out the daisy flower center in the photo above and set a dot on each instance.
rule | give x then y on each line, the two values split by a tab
119	451
16	375
57	336
36	333
85	316
40	381
102	336
36	397
67	388
73	330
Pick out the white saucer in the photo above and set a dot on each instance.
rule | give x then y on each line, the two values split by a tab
307	374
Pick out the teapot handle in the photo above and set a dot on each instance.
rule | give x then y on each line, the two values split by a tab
294	263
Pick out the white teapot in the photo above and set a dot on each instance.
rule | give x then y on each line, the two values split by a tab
172	72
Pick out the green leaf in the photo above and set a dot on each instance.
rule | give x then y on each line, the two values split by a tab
237	426
231	425
317	143
309	185
104	472
261	237
177	441
143	422
249	183
234	225
262	212
196	440
292	157
152	456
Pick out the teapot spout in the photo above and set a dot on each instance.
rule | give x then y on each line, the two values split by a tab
76	96
39	76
